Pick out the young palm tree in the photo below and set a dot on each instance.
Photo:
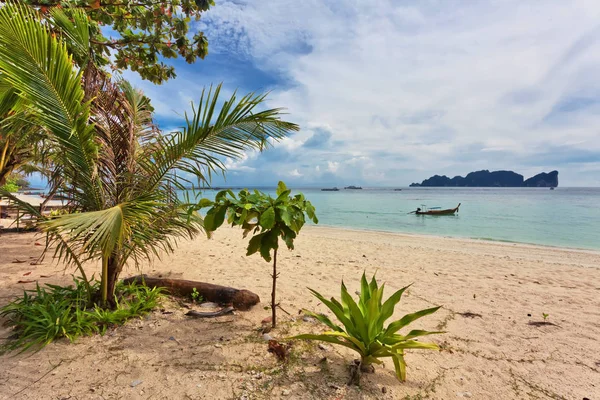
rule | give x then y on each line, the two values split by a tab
118	169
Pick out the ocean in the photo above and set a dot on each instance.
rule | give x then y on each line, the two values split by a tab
565	217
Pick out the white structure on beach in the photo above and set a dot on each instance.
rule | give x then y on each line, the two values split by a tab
33	200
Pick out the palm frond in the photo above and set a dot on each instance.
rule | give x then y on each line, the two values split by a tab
73	24
209	135
38	66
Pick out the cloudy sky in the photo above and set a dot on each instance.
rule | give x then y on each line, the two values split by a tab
392	92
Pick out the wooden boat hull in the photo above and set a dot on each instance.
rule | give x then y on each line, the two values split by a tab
450	211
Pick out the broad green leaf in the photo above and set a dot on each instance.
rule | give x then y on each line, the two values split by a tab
265	252
281	188
388	307
324	338
219	216
355	313
399	366
267	219
222	194
205	203
324	319
413	344
339	313
407	319
254	244
282	197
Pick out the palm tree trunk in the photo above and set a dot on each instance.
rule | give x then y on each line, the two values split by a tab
104	280
113	271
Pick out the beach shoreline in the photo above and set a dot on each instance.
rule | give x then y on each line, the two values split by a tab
493	296
457	238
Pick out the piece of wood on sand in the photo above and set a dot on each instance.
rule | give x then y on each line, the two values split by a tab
241	299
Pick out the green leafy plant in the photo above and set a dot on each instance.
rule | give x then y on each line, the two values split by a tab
362	326
196	297
545	316
10	186
142	34
267	218
48	313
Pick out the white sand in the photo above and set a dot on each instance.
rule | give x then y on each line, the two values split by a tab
498	355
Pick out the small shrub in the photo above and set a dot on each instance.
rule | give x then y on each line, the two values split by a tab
52	312
363	330
196	297
267	218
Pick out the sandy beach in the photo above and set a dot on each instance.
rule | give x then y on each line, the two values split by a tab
493	297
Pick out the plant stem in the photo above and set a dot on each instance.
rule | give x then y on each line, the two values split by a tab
273	304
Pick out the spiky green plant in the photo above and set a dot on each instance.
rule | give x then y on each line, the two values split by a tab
52	312
362	326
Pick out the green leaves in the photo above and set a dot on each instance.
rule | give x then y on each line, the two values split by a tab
269	218
363	325
140	32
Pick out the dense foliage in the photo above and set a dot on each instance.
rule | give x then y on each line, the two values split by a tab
14	182
137	34
267	218
52	312
11	185
362	326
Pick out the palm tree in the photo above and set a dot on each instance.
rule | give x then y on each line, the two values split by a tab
118	169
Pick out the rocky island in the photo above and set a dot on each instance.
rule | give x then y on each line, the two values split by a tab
486	178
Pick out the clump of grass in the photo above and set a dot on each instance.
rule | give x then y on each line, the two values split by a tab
52	312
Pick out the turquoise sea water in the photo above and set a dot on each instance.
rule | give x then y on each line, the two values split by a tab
565	217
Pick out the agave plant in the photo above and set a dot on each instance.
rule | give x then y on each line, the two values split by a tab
363	329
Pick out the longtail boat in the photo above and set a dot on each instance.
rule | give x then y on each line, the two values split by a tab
449	211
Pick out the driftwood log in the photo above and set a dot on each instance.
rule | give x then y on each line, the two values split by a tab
241	299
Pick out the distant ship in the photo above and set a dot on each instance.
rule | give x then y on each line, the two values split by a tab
330	190
353	187
397	190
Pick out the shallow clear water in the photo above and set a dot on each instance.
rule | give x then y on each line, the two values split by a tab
567	217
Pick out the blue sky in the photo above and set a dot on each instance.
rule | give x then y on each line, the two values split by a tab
392	92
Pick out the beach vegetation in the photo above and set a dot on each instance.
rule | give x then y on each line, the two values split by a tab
52	312
119	171
196	296
265	218
10	185
142	35
362	326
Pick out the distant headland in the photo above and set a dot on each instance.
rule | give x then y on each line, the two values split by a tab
486	178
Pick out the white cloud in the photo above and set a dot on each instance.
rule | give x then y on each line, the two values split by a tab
295	173
332	166
425	80
409	89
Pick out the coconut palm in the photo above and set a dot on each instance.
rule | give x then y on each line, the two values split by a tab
119	170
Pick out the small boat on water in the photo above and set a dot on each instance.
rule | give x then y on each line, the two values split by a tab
450	211
330	190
